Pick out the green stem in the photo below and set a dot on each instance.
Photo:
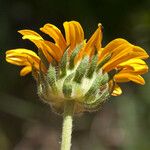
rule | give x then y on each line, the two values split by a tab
67	125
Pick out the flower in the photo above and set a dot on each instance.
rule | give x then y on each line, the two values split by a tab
71	68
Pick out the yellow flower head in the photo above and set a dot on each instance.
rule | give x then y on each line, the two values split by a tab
71	68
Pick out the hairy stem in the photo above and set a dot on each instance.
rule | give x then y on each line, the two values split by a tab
67	125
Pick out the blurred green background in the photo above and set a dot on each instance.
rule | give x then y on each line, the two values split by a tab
26	123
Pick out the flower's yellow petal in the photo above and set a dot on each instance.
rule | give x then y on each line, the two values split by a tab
50	51
94	41
122	54
67	32
136	51
38	41
34	63
21	52
56	34
25	70
29	32
70	34
135	65
123	48
111	47
139	52
17	61
114	88
99	37
133	61
23	57
54	50
31	38
46	53
121	51
119	58
128	49
31	35
79	32
125	77
116	91
74	34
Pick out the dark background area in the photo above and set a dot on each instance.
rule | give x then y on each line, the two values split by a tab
26	123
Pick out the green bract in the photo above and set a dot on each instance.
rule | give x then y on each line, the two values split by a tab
84	83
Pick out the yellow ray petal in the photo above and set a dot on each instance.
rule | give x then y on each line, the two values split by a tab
17	61
116	91
135	65
50	51
79	32
133	61
129	50
74	34
126	53
54	50
119	58
70	34
29	32
31	38
21	52
121	50
125	77
38	41
25	70
31	35
140	52
56	34
67	32
23	57
111	47
94	41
